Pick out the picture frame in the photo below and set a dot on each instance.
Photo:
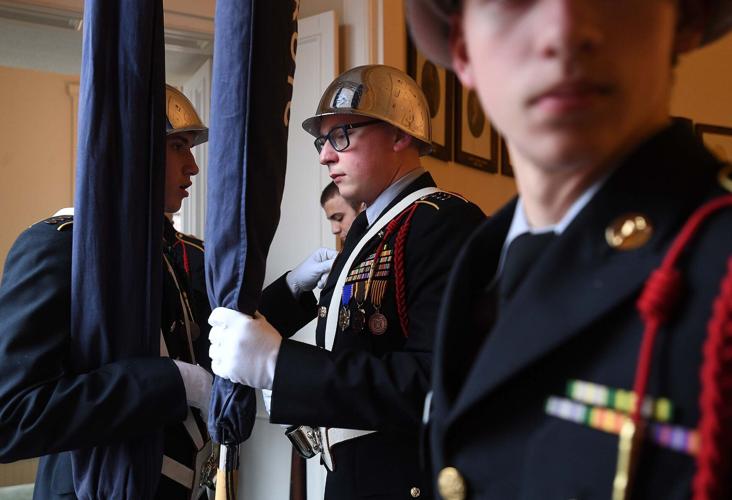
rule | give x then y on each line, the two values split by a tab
476	141
506	167
717	139
437	84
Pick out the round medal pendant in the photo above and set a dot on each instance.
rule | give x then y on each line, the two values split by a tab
344	318
378	323
358	321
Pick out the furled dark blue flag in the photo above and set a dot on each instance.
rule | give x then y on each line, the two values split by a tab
116	266
254	64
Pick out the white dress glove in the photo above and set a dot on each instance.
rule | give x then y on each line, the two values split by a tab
243	349
312	272
197	382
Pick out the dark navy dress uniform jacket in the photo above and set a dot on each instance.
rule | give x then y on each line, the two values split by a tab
574	318
372	382
45	408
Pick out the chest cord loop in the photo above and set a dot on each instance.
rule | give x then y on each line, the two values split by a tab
399	272
656	304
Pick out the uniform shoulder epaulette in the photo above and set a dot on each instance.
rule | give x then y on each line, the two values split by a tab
62	222
191	240
436	199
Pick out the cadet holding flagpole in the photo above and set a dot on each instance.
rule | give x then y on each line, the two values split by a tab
360	390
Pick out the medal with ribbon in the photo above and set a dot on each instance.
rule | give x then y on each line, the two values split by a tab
344	315
378	322
358	317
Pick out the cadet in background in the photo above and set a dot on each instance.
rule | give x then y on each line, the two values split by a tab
339	212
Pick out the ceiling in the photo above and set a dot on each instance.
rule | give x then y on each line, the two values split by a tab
50	40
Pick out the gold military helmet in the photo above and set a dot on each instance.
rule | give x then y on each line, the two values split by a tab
380	92
181	116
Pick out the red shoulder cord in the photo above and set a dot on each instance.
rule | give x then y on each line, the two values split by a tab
185	255
399	274
655	304
405	219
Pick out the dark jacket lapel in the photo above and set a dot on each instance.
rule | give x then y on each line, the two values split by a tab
466	290
580	279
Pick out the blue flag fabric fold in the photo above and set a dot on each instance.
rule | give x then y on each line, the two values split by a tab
254	65
116	262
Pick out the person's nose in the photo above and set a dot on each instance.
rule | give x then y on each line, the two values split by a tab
328	155
191	167
567	29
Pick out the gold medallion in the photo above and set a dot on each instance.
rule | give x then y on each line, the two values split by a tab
629	231
451	485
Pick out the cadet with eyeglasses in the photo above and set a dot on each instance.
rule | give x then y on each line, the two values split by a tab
360	391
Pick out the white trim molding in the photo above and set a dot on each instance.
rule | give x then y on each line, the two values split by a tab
72	90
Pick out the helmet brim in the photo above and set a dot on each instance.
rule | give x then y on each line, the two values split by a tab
200	134
429	26
312	126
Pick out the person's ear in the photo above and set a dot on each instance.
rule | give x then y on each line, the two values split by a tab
459	52
402	140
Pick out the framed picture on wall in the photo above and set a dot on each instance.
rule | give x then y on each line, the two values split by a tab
476	141
437	84
717	139
506	167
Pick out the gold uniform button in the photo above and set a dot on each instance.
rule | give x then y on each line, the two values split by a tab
628	232
451	484
322	311
415	492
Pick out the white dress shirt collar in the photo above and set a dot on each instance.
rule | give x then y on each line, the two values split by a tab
390	193
520	224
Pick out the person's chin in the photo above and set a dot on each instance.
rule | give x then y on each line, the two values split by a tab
346	191
171	208
569	155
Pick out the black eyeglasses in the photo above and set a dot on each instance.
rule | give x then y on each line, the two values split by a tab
338	136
